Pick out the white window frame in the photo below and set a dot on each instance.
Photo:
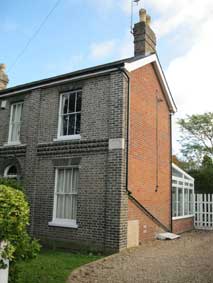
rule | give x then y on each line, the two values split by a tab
10	142
60	222
66	137
9	176
185	183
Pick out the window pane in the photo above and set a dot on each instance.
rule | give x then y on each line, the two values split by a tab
180	202
78	123
12	170
64	104
68	181
72	102
75	181
68	207
174	202
13	112
13	132
186	202
78	103
64	128
60	185
71	127
18	113
60	207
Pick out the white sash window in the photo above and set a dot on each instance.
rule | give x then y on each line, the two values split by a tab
15	123
70	115
65	198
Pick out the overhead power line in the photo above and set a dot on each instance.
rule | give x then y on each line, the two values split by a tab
34	34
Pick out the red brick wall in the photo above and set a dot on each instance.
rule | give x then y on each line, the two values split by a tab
145	88
183	225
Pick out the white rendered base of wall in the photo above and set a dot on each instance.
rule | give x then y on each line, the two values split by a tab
133	234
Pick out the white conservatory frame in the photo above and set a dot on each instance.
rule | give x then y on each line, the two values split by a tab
183	192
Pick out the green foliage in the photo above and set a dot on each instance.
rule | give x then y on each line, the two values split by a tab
11	183
207	162
51	266
197	136
203	179
14	218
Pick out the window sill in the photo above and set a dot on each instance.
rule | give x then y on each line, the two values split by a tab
65	224
182	217
12	144
68	138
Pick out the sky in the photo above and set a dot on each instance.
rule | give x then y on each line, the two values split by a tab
85	33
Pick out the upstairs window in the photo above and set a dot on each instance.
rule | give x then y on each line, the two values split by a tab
70	115
15	123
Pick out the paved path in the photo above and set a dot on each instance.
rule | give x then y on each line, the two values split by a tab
188	259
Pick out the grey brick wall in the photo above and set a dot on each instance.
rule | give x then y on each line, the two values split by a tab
102	199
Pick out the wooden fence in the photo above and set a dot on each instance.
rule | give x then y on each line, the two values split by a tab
203	211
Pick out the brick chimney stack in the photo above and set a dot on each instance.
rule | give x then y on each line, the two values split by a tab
3	77
144	36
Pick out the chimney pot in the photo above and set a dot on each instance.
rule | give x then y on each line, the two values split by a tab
142	15
148	20
3	77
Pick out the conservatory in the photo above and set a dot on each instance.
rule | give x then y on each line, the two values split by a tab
182	200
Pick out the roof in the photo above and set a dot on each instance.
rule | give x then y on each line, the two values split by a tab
182	171
128	64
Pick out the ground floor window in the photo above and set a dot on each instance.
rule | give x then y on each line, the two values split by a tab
65	198
11	172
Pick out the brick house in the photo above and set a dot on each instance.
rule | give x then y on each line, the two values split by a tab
93	150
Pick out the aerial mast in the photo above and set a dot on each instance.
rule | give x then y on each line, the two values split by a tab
132	8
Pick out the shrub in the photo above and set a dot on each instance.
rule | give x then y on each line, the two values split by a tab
12	183
14	218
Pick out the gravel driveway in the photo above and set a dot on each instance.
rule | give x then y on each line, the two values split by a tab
188	259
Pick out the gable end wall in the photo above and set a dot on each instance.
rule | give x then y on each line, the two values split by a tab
149	151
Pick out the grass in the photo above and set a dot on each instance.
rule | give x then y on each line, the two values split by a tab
52	266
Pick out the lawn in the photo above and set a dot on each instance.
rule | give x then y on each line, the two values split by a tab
52	266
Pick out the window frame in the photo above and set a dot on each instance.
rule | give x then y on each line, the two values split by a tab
176	185
10	176
66	137
61	222
10	142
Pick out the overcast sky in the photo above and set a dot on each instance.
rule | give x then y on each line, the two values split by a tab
83	33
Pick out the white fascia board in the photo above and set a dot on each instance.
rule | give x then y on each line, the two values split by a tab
140	63
153	59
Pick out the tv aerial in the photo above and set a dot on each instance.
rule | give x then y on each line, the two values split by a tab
133	2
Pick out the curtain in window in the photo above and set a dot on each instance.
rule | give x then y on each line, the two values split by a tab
15	122
66	193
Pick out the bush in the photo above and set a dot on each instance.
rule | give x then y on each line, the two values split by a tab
11	183
14	218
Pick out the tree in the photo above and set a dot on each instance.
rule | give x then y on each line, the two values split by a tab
207	162
197	136
14	218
